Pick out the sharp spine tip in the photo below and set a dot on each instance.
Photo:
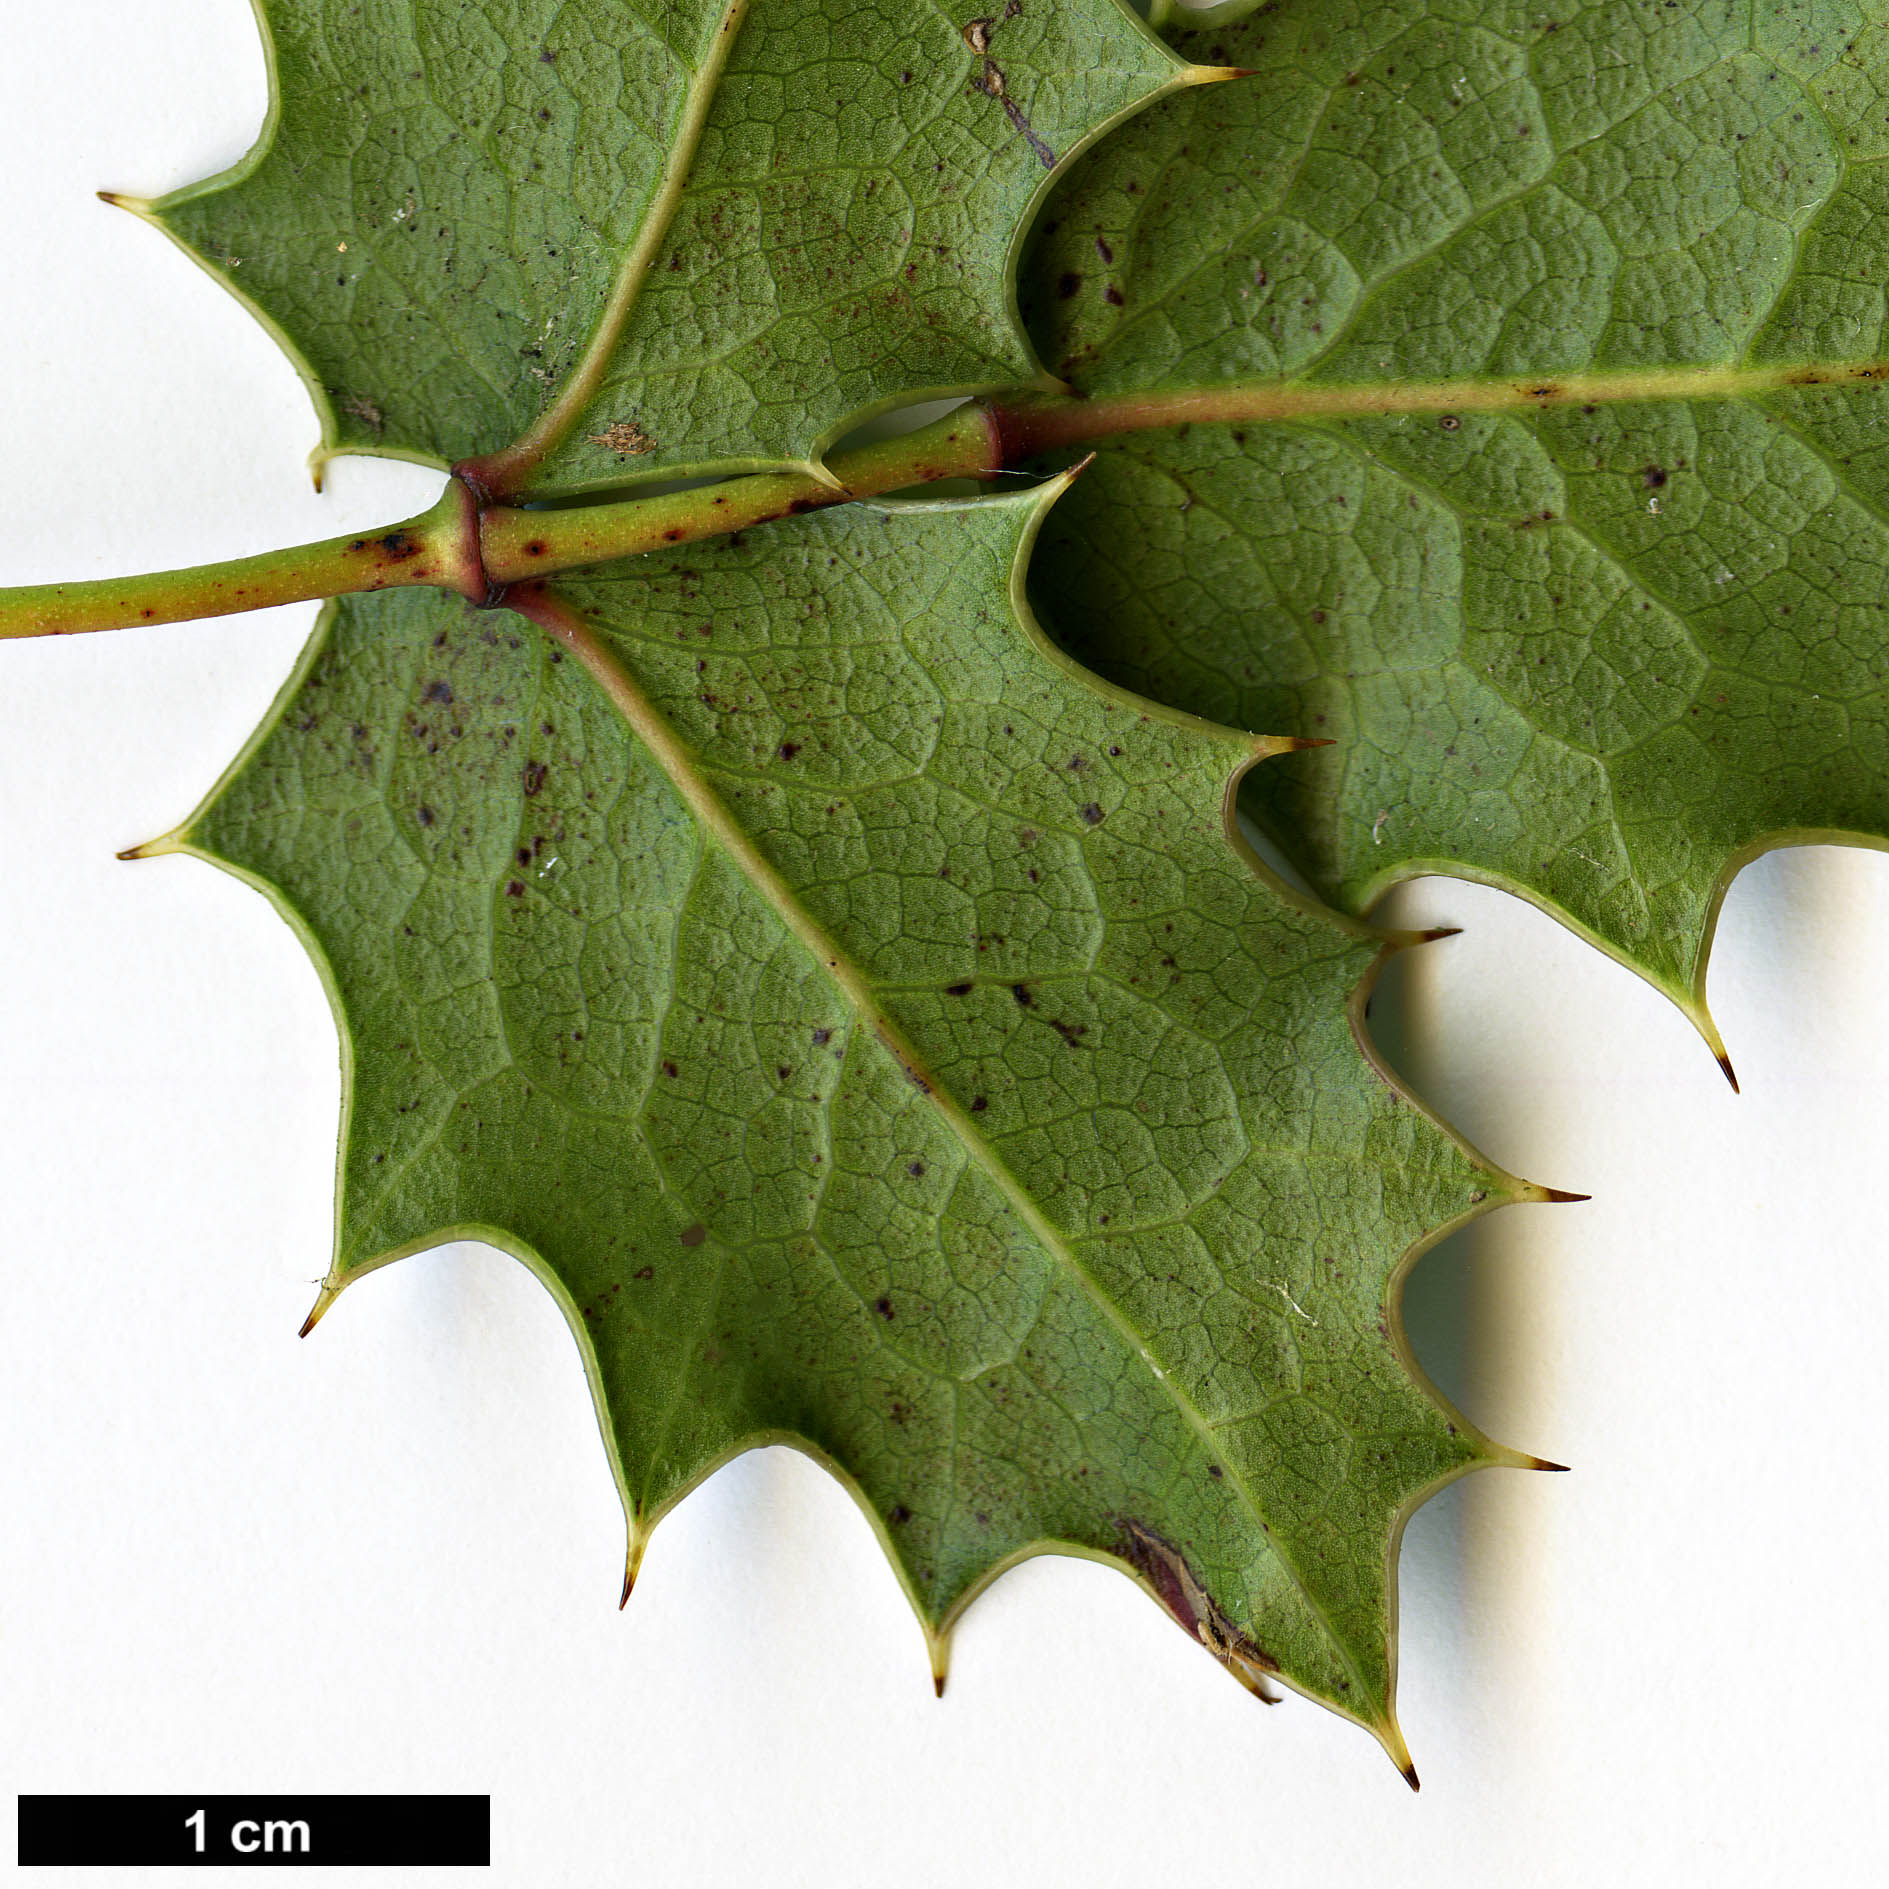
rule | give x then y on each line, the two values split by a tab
1541	1462
308	1324
938	1685
1731	1075
1437	933
1561	1194
1410	1777
629	1588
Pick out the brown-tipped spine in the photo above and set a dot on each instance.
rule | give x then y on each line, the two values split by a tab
1731	1075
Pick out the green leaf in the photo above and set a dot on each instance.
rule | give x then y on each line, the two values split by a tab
869	1027
1561	509
650	237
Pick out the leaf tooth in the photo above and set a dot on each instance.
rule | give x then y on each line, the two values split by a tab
1391	1737
1501	1456
939	1644
171	842
633	1559
323	1299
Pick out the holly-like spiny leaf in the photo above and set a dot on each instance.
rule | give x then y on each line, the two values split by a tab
872	1031
1566	521
650	237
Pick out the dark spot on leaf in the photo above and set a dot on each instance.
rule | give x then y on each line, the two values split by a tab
438	692
1092	814
979	1104
644	1272
1067	284
693	1236
534	778
1021	992
788	749
515	888
822	1036
1654	477
399	546
883	1306
668	1068
958	990
899	1513
1450	423
916	1169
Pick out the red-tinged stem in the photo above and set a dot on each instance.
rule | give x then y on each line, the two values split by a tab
521	545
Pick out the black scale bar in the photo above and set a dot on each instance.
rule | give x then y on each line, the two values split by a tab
263	1832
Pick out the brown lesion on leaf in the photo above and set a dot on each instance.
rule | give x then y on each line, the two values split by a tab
1178	1588
359	407
989	77
623	436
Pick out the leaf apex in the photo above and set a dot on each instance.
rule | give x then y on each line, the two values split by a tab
1215	75
141	207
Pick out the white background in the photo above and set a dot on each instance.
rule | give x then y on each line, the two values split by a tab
387	1559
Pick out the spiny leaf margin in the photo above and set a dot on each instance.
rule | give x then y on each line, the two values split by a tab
253	824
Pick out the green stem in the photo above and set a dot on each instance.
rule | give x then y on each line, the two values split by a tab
434	548
477	551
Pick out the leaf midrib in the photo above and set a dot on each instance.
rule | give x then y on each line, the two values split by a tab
563	621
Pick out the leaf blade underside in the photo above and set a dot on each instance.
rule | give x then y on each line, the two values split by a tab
1610	622
691	235
891	1054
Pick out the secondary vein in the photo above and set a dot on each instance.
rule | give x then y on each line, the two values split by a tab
504	473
